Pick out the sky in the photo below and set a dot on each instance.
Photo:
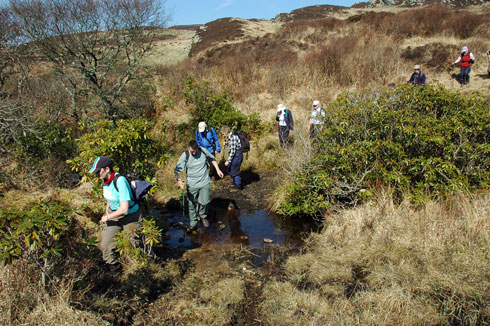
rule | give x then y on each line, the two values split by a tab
187	12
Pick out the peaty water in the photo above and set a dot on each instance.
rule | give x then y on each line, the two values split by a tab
252	228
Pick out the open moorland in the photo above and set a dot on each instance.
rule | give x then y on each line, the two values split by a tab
382	219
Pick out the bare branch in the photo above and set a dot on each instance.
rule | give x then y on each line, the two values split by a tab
94	45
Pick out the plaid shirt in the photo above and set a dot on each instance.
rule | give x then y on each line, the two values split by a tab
234	145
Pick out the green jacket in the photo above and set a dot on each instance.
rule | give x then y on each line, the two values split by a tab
196	168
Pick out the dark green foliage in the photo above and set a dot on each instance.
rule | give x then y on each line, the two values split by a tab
128	143
216	109
33	233
45	140
417	141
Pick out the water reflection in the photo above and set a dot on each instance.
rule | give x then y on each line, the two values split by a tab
229	224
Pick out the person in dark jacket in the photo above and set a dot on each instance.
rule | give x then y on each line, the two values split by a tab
488	56
285	124
467	59
418	77
235	156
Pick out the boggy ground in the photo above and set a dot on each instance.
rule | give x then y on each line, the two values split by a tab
257	186
223	283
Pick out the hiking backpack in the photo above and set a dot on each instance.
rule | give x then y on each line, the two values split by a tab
139	188
244	143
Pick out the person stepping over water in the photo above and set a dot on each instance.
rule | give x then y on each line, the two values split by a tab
206	137
194	162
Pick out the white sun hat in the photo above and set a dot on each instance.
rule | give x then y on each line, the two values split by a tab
201	126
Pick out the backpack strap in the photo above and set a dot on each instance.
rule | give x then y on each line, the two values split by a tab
116	177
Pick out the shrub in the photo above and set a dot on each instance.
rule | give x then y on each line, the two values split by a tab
44	237
150	236
45	139
420	141
127	143
215	108
40	153
33	233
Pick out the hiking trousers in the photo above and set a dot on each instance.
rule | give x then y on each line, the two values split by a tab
130	223
198	200
465	75
234	168
283	135
315	130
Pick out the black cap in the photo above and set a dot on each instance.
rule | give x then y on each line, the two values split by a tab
100	163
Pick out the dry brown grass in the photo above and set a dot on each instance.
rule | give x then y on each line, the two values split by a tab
209	294
24	301
319	58
386	265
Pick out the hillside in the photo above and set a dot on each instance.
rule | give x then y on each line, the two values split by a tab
364	36
380	219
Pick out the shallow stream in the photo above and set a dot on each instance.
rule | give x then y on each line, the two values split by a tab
255	229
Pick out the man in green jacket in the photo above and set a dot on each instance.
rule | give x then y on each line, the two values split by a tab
193	162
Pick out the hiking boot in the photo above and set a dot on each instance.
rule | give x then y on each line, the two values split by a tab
239	187
205	222
191	229
115	269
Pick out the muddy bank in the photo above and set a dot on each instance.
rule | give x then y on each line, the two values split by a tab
257	188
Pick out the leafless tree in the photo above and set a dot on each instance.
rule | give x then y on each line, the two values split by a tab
15	121
12	63
95	46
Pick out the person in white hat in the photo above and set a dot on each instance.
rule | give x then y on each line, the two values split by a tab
207	138
317	118
488	56
418	77
284	117
467	59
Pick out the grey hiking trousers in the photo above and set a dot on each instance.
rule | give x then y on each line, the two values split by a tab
130	223
198	200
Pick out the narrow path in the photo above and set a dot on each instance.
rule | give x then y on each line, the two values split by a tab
256	191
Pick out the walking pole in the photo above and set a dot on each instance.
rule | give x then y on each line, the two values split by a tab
181	239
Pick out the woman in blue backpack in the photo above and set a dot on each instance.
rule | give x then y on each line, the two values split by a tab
121	213
284	117
206	138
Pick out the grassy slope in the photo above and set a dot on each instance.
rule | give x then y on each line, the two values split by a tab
374	265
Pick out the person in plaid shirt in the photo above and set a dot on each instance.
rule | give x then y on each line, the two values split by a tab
235	156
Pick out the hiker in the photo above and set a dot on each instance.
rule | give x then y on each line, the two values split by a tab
488	57
206	137
467	59
121	212
194	162
285	125
235	156
418	77
316	119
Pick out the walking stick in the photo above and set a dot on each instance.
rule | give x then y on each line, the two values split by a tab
181	239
